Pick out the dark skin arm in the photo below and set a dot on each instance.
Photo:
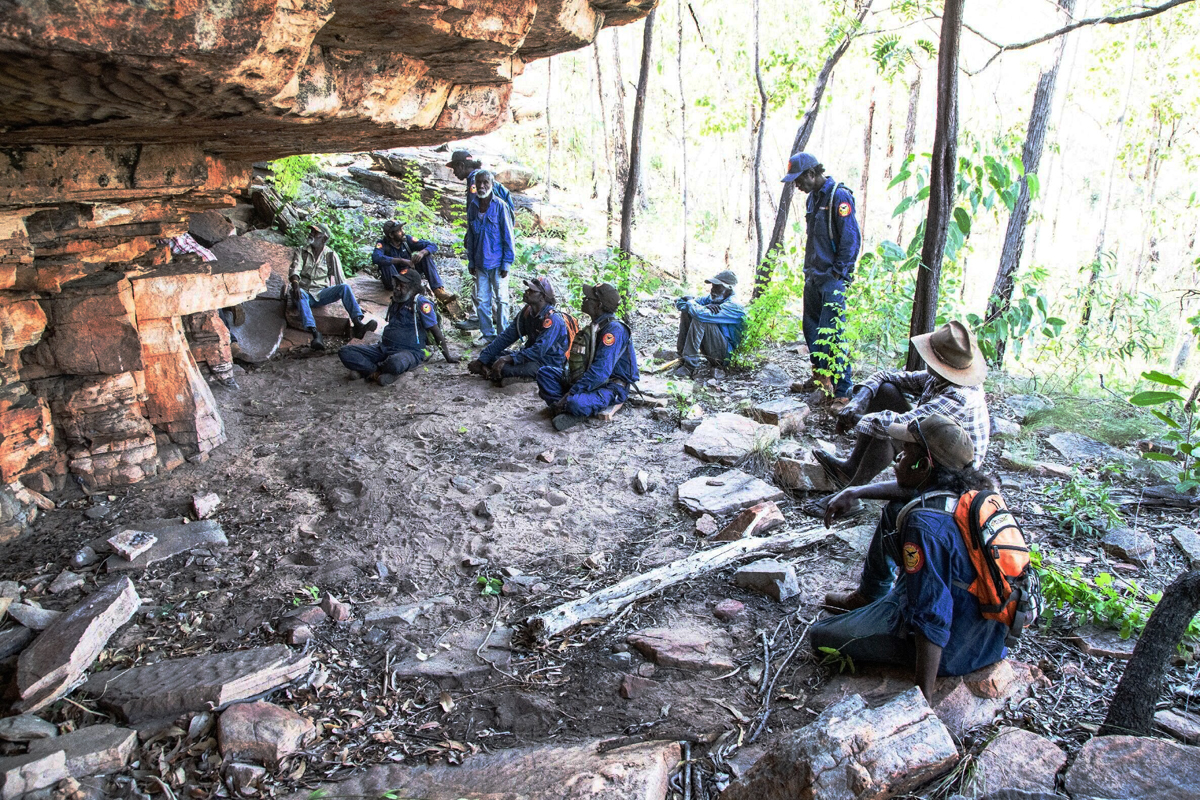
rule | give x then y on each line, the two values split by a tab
499	364
436	332
929	658
887	490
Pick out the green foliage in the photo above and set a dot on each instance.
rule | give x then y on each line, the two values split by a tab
351	236
489	587
1183	427
418	216
831	655
288	173
767	319
1026	316
312	593
1082	505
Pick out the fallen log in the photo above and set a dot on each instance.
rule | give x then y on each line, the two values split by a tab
604	603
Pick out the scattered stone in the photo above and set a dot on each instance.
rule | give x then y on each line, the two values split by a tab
1024	406
14	640
754	521
770	577
84	557
33	617
1135	547
774	375
389	615
858	537
298	635
375	637
204	505
130	543
176	686
1076	448
851	751
803	474
55	662
96	512
244	776
547	456
634	686
1183	725
1005	428
1189	543
27	773
728	438
381	570
26	728
596	562
557	498
685	648
576	772
173	538
262	732
728	610
10	589
200	725
307	615
336	609
65	582
93	750
642	484
707	525
1103	642
1016	759
726	493
787	413
460	667
1134	767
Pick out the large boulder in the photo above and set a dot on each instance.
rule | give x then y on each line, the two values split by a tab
1016	759
728	438
725	493
1134	768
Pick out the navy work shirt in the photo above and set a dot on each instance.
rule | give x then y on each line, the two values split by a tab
545	339
385	250
827	259
614	356
935	561
407	323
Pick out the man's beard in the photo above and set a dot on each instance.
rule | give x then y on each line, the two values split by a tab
483	194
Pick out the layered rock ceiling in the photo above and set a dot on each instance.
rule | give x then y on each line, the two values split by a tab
118	121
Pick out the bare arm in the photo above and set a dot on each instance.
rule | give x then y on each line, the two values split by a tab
436	332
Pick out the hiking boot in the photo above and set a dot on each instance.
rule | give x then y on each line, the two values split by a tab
318	341
564	421
361	330
842	602
834	469
469	324
388	378
684	371
444	297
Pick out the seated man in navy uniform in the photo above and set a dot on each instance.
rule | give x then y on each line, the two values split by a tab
601	367
397	251
402	345
546	339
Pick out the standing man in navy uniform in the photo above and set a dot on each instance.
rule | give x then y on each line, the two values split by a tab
830	252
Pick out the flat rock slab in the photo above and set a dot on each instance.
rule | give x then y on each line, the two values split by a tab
200	683
636	772
261	333
1189	543
728	438
1134	767
851	751
1075	448
770	577
173	537
14	640
26	728
1127	544
460	667
34	618
802	473
21	774
1016	759
93	750
1103	642
262	732
858	537
1024	406
725	493
1182	725
56	661
684	648
787	413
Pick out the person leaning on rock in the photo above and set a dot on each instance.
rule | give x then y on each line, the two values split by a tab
317	267
602	365
709	326
951	384
411	317
927	619
544	331
464	168
396	251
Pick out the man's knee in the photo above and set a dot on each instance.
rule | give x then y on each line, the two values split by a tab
888	397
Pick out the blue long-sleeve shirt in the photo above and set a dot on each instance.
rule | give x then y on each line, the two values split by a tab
545	339
498	191
729	314
613	358
385	251
827	259
407	323
489	239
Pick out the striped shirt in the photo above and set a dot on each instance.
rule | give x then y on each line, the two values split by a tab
966	404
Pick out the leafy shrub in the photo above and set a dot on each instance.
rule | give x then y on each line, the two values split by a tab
287	174
767	318
1082	505
1183	427
351	236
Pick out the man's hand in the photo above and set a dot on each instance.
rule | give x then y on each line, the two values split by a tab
449	356
477	367
839	504
397	261
498	366
503	273
849	416
419	255
294	279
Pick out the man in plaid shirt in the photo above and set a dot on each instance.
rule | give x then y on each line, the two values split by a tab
951	385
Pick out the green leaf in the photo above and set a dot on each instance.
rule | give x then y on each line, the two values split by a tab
1164	379
922	193
900	178
1158	457
1154	398
964	221
1167	420
904	206
1035	187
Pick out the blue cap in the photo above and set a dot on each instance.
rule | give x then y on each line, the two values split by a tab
799	163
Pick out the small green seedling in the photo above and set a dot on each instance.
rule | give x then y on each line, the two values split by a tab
835	656
489	586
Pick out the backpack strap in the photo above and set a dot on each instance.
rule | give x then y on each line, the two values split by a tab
936	501
829	216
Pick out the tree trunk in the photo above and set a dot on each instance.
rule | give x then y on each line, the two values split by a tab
1132	709
635	145
808	122
621	139
941	180
758	145
910	142
549	130
608	143
1031	158
683	276
866	175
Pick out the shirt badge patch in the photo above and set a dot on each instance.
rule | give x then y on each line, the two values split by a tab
426	307
379	245
914	559
844	210
546	323
609	339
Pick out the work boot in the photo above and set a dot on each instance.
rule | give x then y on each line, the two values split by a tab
387	378
468	324
564	421
318	341
684	371
361	330
842	602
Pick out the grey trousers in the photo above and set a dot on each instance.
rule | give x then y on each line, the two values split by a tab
699	337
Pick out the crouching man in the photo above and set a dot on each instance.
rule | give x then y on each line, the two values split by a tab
709	326
602	365
410	318
545	333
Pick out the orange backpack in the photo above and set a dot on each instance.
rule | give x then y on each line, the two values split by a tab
572	330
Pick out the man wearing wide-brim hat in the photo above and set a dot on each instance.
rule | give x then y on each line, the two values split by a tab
710	326
951	384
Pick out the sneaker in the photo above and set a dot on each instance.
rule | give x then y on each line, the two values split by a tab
485	340
471	324
564	421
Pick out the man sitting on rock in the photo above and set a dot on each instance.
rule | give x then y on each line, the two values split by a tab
396	251
927	618
602	365
951	384
545	334
402	345
711	325
316	267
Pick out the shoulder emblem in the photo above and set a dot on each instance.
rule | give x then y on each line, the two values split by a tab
426	307
547	322
914	559
844	210
379	245
609	339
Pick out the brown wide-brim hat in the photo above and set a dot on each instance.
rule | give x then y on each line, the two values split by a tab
952	352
